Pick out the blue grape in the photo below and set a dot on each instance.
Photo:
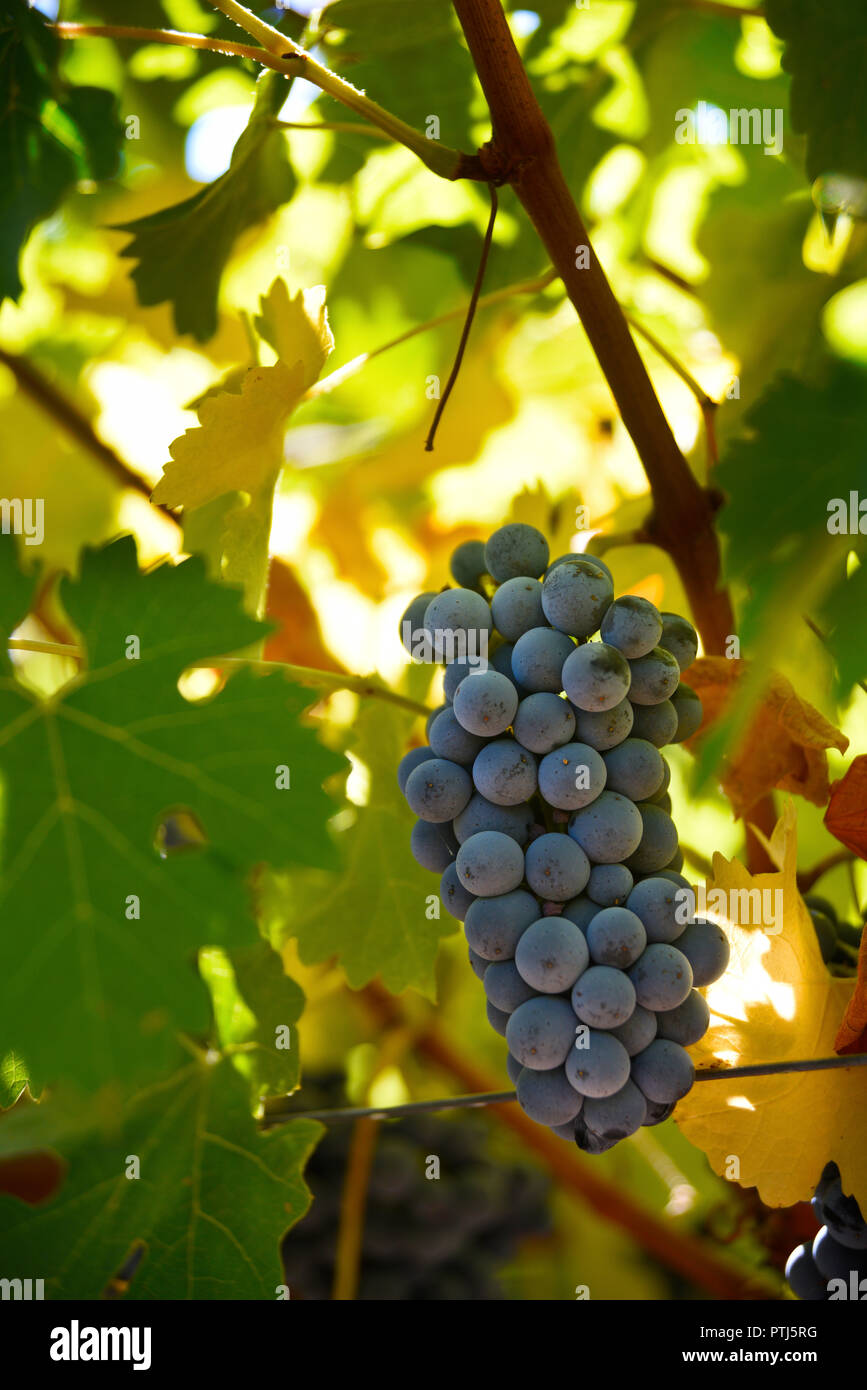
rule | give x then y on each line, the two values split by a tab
589	1141
433	846
841	1214
428	724
803	1277
706	947
497	1019
516	607
516	550
673	877
449	739
566	1131
540	1032
616	1117
606	728
656	1113
571	776
655	677
410	761
664	785
656	723
582	555
490	863
438	790
505	987
635	769
680	638
600	1068
609	829
662	977
413	615
538	657
688	708
575	596
457	621
493	926
687	1023
658	841
478	963
609	885
455	898
826	932
676	860
664	1071
580	910
616	937
836	1261
485	703
501	660
659	903
513	1067
456	671
547	1097
595	677
481	814
633	625
603	997
638	1031
544	721
551	954
556	867
467	564
505	773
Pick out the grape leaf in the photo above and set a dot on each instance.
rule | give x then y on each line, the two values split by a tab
85	992
210	1204
256	1006
16	595
53	133
826	54
14	1075
852	1033
846	816
182	250
373	915
777	1001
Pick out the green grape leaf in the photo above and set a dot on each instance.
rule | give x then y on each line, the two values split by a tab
14	1076
373	915
53	133
93	991
826	54
256	1006
209	1204
16	595
182	250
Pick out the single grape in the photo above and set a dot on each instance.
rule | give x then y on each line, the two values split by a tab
662	790
456	671
412	622
547	1097
556	867
657	1113
493	926
501	660
655	678
588	1141
676	860
582	555
841	1214
438	790
633	625
603	997
687	1023
575	596
662	976
604	729
616	937
836	1261
540	1032
680	638
663	802
658	841
580	910
490	863
707	949
410	761
551	954
673	877
595	677
455	898
544	721
609	829
505	773
458	621
481	814
803	1277
688	708
635	769
449	739
656	723
820	904
598	1068
538	657
478	963
664	1071
566	1131
468	564
516	550
433	846
497	1019
609	885
505	987
616	1117
485	703
661	904
571	776
431	717
516	607
638	1031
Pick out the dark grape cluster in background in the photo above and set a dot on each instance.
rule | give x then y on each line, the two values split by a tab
424	1238
542	798
838	1251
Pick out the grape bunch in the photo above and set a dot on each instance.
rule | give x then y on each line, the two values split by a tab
839	941
424	1238
542	798
838	1252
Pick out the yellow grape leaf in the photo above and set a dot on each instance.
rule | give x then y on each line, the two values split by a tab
777	1001
556	520
296	327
